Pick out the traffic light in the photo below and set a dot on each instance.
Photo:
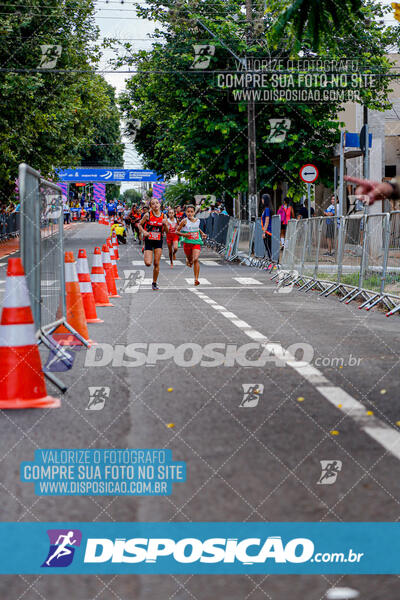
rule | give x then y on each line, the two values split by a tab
396	7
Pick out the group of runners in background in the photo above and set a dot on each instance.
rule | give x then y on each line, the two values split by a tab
149	223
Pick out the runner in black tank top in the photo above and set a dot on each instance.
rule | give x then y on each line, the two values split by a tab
152	226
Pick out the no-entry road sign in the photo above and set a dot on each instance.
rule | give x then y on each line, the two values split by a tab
309	173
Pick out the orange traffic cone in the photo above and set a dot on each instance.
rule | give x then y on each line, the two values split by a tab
115	245
112	258
101	216
22	382
75	311
109	272
85	286
99	285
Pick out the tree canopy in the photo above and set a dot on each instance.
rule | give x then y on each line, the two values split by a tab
191	127
50	115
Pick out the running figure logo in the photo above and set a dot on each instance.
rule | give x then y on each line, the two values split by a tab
50	55
62	547
279	129
251	394
133	280
330	471
202	56
98	397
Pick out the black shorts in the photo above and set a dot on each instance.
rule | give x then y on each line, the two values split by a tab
152	244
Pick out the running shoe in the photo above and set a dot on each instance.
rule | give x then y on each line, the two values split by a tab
197	282
154	286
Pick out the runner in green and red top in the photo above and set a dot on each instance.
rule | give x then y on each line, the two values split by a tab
152	226
189	230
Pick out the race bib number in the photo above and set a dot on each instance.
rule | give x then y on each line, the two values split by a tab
155	235
194	236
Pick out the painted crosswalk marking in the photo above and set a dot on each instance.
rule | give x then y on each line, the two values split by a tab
201	279
247	281
209	263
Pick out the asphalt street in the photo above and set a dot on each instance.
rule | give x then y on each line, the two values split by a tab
244	462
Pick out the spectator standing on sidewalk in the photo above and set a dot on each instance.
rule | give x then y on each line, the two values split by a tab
266	221
330	226
67	212
284	213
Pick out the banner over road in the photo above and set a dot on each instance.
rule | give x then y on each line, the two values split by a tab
107	175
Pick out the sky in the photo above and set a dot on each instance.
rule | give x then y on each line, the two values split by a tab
119	20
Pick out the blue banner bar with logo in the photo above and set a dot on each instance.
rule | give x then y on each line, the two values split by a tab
200	548
106	175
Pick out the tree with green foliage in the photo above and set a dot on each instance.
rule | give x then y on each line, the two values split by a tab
317	19
107	149
131	197
49	115
179	193
190	127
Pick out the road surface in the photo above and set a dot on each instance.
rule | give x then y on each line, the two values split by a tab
244	463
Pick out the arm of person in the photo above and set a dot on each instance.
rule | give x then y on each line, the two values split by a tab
178	231
141	223
371	191
265	226
165	224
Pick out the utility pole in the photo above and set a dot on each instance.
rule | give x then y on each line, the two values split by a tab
251	126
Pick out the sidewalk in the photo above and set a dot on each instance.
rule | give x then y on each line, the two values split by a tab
10	246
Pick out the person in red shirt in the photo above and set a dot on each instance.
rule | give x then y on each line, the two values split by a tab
172	236
152	226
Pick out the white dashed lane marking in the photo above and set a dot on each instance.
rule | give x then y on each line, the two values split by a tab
247	281
386	436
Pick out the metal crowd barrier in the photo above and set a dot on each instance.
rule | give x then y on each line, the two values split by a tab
242	240
356	257
42	253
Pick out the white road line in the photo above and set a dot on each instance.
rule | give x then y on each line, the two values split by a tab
137	263
209	263
201	279
386	436
238	288
180	263
247	281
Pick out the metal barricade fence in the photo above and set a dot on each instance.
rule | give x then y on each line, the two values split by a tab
289	245
42	253
42	247
357	256
232	239
52	280
245	240
258	242
392	280
220	231
375	255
